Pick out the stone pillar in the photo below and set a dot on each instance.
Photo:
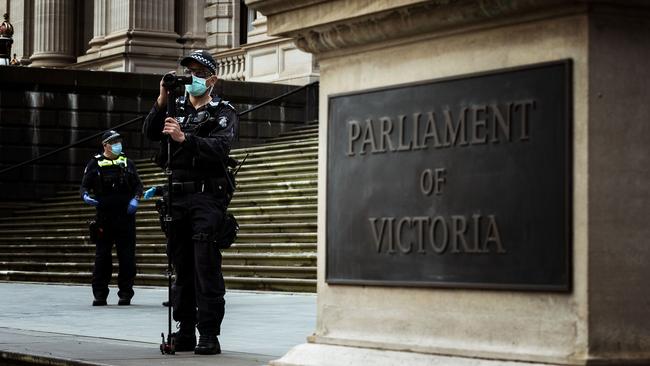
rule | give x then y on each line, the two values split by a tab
53	33
100	11
407	301
192	27
22	17
138	36
220	25
153	15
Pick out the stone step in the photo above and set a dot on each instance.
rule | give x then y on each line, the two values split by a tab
87	212
278	154
235	203
267	259
149	173
156	248
268	147
73	196
291	138
251	195
158	237
148	220
238	283
154	227
299	149
155	268
261	172
298	131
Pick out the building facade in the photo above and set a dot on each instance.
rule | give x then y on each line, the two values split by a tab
149	36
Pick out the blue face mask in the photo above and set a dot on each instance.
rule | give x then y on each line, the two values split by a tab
116	148
197	88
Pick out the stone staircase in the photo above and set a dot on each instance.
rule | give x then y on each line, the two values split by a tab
275	205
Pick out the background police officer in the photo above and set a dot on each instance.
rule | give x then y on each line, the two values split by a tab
201	140
111	183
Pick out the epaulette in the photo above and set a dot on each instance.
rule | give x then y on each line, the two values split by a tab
98	156
213	105
227	104
215	101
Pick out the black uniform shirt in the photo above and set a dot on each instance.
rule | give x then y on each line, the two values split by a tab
113	182
209	133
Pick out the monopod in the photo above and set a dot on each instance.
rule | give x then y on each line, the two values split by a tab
170	82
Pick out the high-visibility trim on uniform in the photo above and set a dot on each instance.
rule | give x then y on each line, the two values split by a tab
120	161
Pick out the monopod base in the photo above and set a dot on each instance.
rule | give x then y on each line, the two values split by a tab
169	347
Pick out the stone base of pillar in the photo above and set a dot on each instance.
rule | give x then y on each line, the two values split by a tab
310	354
134	51
313	354
51	60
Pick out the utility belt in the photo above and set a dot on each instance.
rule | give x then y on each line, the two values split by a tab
190	187
212	185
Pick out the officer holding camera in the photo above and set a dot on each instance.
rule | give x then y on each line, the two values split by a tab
111	183
201	137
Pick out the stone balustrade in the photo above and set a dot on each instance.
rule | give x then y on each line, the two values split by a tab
231	64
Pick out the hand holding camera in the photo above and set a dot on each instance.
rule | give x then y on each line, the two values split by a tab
170	81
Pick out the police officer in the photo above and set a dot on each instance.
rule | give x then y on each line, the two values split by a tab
111	183
201	138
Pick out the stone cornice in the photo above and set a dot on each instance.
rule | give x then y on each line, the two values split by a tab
418	19
270	7
322	26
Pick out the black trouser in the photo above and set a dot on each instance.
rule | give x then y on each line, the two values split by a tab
118	229
196	218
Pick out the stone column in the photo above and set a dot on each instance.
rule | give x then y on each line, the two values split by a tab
192	24
53	33
133	36
221	35
99	26
22	18
153	15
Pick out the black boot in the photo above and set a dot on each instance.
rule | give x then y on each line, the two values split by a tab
99	302
208	345
185	338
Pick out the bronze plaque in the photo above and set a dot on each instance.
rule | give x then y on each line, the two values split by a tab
462	182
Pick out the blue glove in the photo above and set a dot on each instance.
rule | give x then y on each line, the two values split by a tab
149	193
133	205
89	200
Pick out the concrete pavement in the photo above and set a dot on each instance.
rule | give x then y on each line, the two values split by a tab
57	324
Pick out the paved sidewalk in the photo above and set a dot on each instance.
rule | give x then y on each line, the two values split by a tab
57	322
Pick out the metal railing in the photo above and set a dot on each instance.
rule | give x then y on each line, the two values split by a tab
311	109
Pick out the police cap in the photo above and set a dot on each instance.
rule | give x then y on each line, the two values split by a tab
110	136
203	57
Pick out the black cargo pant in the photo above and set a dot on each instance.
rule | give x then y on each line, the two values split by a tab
196	218
118	229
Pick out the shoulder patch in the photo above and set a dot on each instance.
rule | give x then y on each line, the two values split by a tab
223	121
98	156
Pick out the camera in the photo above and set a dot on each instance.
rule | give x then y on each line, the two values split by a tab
171	80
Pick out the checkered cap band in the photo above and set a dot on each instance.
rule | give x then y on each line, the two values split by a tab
110	135
203	58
